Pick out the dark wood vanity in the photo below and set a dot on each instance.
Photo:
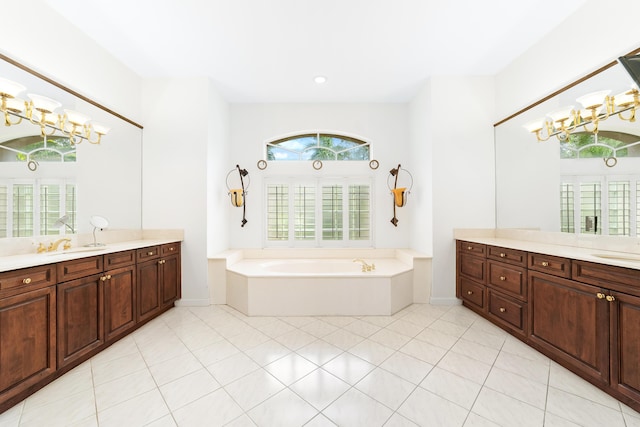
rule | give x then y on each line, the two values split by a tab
54	317
583	315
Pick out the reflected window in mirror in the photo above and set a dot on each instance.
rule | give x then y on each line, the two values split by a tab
587	145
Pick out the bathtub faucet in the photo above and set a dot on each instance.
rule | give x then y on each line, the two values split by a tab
365	267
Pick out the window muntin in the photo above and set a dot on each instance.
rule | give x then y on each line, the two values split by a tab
36	147
325	213
30	207
587	145
319	146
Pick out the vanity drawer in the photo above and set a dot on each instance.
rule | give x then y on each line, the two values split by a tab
472	267
150	252
509	279
28	278
476	249
608	276
511	256
170	249
554	265
119	259
511	313
77	268
471	292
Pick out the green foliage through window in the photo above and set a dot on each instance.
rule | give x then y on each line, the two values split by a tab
318	146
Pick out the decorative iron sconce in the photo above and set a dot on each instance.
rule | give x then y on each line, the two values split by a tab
238	195
399	193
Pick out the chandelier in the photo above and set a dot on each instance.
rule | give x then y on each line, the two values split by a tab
42	111
596	107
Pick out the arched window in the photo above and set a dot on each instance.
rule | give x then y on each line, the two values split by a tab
318	146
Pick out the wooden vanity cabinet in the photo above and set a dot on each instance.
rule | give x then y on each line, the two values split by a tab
471	275
158	279
27	341
583	315
54	317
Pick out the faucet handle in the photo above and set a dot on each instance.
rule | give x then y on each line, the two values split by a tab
67	245
50	247
373	266
41	248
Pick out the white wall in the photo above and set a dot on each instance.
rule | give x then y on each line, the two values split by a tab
177	143
595	35
461	140
35	35
384	125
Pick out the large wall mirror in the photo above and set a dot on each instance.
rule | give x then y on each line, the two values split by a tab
45	178
587	184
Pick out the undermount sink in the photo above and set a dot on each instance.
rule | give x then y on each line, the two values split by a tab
620	257
76	250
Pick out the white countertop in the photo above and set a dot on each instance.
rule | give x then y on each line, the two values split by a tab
600	256
14	262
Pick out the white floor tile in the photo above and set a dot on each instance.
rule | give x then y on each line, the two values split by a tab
390	339
582	411
248	339
476	351
285	409
242	421
534	370
319	352
319	388
295	339
276	328
448	328
343	339
362	328
405	328
138	411
254	388
371	351
505	410
189	388
123	389
172	369
424	351
78	380
215	409
355	408
290	368
320	421
319	328
267	352
551	420
437	338
465	366
564	380
398	420
117	368
215	352
407	367
77	407
426	409
385	387
452	387
475	420
518	387
349	368
232	368
166	421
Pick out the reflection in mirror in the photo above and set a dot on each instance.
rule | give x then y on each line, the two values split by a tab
581	181
100	223
46	177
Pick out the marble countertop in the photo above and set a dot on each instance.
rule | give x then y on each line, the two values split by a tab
600	256
14	262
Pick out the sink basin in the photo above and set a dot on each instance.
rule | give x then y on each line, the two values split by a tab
77	250
621	257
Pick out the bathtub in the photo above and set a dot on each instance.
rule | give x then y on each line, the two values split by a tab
293	283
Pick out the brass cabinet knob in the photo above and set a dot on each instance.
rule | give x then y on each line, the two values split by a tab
469	292
162	261
171	249
108	276
469	248
150	253
503	278
611	298
502	255
26	281
545	264
103	278
502	309
600	295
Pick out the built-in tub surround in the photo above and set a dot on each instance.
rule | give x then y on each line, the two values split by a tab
315	282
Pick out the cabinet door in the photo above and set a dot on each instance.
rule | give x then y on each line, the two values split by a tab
569	322
625	345
119	301
149	289
80	318
27	340
170	275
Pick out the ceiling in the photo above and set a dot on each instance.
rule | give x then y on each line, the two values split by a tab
271	50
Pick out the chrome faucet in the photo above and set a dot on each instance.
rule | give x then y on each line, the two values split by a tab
54	246
365	267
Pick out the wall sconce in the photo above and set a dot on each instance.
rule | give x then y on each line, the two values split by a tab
238	195
399	193
41	111
596	107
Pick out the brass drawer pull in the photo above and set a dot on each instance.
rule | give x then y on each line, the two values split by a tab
469	292
502	309
26	281
161	261
171	249
469	248
503	278
150	253
502	255
103	278
545	264
600	295
611	298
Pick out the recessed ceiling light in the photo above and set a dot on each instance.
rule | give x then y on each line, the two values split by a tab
320	79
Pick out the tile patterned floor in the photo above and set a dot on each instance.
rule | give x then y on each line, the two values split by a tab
426	366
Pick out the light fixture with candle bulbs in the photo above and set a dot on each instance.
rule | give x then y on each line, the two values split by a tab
596	107
42	111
